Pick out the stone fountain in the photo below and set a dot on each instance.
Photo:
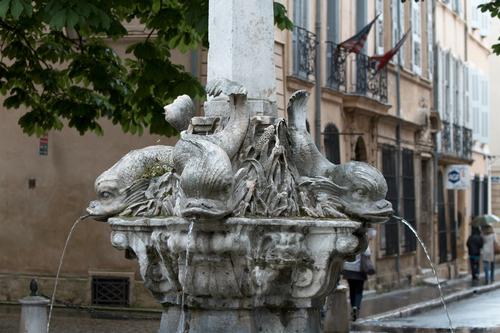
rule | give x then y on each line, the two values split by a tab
243	225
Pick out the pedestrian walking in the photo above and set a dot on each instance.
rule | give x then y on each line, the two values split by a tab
488	253
474	246
356	272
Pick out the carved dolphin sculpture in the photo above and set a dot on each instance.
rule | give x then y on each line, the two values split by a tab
305	155
125	182
362	191
204	161
180	112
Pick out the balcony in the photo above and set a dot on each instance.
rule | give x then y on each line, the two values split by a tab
364	80
456	141
304	53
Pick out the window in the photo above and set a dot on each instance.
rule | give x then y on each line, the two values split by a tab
360	153
476	196
410	242
457	6
379	27
332	35
398	31
331	142
333	19
485	196
390	230
301	13
361	17
416	37
110	291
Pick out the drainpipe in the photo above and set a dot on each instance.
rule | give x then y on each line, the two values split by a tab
398	140
436	151
317	77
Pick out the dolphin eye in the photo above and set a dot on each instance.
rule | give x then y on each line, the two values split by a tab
361	191
105	195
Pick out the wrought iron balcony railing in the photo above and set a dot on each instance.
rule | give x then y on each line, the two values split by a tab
304	53
336	61
364	78
467	143
370	82
456	141
446	138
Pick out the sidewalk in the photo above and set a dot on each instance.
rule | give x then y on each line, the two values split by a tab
376	304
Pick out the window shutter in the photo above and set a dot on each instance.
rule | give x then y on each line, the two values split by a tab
430	43
484	21
474	13
484	110
440	83
379	27
475	105
467	111
447	92
416	38
459	92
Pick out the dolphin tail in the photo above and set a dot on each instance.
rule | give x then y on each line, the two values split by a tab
297	110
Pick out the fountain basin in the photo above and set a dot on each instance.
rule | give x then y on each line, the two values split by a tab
264	273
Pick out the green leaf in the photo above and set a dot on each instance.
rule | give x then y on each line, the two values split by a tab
58	19
16	9
4	8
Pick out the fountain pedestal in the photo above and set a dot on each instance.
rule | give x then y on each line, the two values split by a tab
242	275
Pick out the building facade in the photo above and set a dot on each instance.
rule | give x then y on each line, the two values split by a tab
462	101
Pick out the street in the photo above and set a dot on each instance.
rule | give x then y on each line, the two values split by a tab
479	313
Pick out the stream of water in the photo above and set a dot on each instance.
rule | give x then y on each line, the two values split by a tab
181	328
61	260
402	220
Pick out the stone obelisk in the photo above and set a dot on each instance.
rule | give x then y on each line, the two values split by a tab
241	49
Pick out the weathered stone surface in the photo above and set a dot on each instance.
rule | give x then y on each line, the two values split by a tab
242	48
258	269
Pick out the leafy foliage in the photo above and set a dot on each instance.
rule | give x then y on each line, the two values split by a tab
55	61
493	7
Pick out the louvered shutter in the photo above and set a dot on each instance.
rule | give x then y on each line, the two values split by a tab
379	26
430	43
416	38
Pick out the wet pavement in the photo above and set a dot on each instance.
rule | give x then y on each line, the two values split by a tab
479	313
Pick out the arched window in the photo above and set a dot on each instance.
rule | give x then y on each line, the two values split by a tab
360	150
332	144
308	127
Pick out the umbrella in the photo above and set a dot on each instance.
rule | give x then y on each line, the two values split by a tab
483	220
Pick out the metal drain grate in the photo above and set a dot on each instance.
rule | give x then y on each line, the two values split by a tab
111	291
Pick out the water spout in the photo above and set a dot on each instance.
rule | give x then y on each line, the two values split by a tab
402	220
81	218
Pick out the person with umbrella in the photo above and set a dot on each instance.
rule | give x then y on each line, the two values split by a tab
489	239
